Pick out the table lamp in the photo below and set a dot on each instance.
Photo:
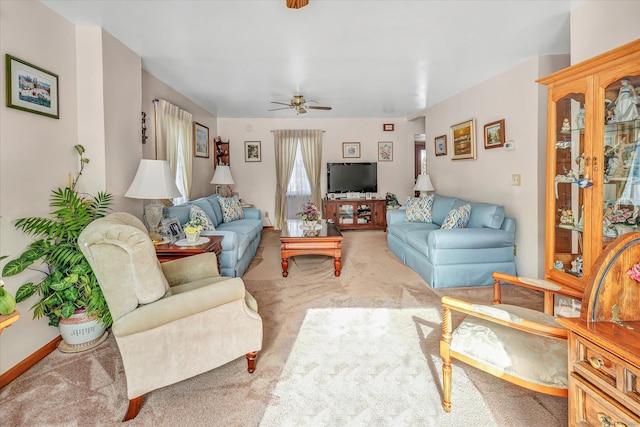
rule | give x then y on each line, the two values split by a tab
222	176
423	185
153	181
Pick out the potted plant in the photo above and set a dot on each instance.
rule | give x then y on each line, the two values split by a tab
69	288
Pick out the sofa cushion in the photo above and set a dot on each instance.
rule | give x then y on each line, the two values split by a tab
231	208
181	212
419	209
217	210
197	214
441	207
486	215
457	218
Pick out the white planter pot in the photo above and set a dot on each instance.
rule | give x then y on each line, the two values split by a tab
81	332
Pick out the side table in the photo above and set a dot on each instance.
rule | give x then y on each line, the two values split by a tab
7	320
169	251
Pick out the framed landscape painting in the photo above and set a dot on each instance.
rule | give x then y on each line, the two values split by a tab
31	88
252	151
385	151
441	145
464	140
494	134
200	140
350	149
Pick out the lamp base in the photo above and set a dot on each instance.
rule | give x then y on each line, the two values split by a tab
153	215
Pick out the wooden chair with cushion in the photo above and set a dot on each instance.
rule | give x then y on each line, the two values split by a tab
171	321
520	345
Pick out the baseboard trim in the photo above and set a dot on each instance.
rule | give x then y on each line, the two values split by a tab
27	363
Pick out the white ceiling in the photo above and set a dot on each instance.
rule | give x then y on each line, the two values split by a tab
363	58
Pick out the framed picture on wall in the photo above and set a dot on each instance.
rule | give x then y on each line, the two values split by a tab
200	140
494	134
441	145
350	149
464	140
385	151
31	88
252	152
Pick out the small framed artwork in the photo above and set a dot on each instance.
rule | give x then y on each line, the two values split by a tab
31	88
332	196
385	151
388	127
494	134
200	140
172	229
252	152
441	145
368	196
464	140
350	149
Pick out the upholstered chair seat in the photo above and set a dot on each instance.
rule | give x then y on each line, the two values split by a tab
171	321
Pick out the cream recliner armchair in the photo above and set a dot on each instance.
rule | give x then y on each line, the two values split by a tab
171	321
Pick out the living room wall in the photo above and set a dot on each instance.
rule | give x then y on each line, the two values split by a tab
256	181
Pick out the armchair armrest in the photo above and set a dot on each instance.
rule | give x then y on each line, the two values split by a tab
396	215
190	269
169	309
497	315
548	288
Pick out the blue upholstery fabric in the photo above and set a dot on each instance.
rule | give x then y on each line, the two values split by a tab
241	237
447	258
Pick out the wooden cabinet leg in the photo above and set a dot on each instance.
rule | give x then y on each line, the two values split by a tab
251	361
134	407
337	265
285	267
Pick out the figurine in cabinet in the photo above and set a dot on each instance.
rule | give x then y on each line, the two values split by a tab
566	125
625	104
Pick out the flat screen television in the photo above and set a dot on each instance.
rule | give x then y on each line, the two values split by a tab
352	177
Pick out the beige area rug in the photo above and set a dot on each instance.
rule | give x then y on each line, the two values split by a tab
368	367
89	388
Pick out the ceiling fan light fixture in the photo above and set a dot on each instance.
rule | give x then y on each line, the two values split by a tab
297	4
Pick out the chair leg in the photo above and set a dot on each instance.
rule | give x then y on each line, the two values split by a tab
134	407
445	344
251	361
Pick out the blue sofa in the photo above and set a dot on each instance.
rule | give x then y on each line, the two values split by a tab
455	257
241	237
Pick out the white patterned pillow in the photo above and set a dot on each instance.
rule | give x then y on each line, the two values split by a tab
231	209
196	213
419	209
457	218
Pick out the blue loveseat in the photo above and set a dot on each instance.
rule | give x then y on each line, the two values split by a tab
447	258
241	237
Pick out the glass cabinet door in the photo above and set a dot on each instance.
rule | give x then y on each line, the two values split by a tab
570	183
621	184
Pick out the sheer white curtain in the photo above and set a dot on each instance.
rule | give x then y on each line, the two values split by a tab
174	132
299	188
311	147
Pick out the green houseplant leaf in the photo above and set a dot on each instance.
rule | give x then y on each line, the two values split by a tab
68	284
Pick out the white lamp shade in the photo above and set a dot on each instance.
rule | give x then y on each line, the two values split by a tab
423	183
153	180
222	176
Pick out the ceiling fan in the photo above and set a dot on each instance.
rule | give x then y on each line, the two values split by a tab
299	104
297	4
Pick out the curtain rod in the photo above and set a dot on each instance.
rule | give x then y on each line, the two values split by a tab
273	130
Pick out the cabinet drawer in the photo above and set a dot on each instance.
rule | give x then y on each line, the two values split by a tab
593	408
607	372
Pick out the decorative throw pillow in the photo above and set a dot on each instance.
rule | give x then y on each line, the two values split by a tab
419	209
231	209
457	218
196	213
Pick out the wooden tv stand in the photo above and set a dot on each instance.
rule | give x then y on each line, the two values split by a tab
356	214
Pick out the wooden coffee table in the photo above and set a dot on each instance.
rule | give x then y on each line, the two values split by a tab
294	240
170	251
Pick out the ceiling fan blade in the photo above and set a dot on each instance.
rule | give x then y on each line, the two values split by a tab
281	108
281	103
317	107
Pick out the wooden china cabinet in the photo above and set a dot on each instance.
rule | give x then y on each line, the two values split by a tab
593	161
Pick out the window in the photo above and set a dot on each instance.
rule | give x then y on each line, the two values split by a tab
299	188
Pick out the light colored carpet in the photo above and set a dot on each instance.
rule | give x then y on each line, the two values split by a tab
366	367
89	389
